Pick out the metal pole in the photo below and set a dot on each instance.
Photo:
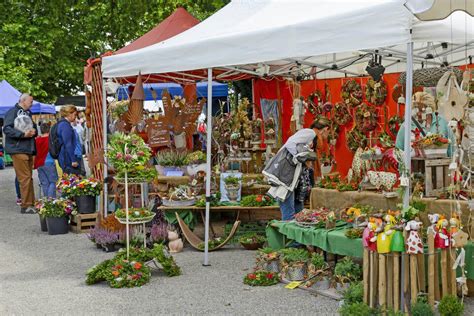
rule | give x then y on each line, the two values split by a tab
407	151
104	141
208	166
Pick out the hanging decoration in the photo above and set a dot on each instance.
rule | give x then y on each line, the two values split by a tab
352	93
376	92
342	116
355	139
394	124
315	102
366	118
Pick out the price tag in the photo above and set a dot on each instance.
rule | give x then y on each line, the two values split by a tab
293	285
404	181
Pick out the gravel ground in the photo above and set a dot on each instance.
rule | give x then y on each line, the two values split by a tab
42	274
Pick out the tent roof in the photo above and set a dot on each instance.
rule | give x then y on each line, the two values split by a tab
9	96
279	37
176	23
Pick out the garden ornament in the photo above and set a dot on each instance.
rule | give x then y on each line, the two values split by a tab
175	243
414	244
433	218
442	237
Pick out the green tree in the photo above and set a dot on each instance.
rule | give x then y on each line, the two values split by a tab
44	45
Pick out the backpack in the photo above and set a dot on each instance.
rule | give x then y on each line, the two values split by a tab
54	145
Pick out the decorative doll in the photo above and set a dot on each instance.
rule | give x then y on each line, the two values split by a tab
454	225
442	237
434	218
372	238
365	236
414	244
385	237
398	242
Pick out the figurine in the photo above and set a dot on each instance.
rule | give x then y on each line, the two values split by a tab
434	218
414	244
366	235
384	238
442	237
372	238
398	243
175	243
454	225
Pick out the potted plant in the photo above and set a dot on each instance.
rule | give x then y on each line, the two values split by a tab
92	235
196	162
294	263
261	278
252	241
168	160
268	259
83	191
317	266
232	185
43	225
107	240
56	212
346	271
134	215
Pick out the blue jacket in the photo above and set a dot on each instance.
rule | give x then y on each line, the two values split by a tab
67	139
15	141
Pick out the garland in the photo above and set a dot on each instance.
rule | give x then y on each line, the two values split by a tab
355	139
376	92
366	118
342	116
314	99
352	93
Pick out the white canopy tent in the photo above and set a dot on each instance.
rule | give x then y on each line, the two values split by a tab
286	37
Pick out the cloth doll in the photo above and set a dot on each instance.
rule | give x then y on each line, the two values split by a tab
372	238
414	244
442	237
454	224
398	242
385	237
433	218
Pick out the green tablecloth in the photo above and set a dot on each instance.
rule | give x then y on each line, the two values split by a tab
334	241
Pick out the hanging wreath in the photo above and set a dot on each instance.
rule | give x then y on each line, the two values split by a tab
342	116
352	93
366	118
376	91
386	140
314	101
394	124
355	139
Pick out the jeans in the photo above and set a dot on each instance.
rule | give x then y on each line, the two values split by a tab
290	207
48	176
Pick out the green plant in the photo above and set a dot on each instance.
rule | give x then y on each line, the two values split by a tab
134	214
212	243
261	278
347	270
294	255
169	158
127	273
421	308
215	200
49	207
257	200
450	305
252	238
357	309
232	180
318	261
267	254
354	293
195	157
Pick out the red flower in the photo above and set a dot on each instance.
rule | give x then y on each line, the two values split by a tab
259	198
137	266
269	275
135	277
251	276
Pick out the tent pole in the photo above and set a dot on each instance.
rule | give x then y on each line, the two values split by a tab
104	144
407	151
208	166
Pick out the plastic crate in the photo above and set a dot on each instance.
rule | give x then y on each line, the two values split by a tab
252	227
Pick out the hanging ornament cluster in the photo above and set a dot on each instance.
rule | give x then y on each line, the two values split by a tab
342	115
352	93
366	118
376	92
315	101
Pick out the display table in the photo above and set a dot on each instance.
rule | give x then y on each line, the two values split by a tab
257	213
336	200
333	241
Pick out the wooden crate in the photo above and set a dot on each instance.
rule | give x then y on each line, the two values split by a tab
82	223
436	173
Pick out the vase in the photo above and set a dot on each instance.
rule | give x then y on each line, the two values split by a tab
296	272
85	204
272	266
57	225
44	226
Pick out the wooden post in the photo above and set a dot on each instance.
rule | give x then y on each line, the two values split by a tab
390	274
413	278
406	282
382	282
452	273
396	281
431	269
421	272
373	278
444	272
436	272
366	277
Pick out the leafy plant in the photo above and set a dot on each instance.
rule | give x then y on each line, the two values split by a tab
357	309
232	180
347	270
252	238
195	157
215	200
126	273
72	185
354	293
450	305
134	214
294	255
50	207
267	254
212	243
170	158
318	261
421	308
102	236
261	278
257	200
354	233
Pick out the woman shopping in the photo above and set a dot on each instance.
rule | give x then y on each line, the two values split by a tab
69	158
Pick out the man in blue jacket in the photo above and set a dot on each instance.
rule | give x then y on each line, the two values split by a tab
20	145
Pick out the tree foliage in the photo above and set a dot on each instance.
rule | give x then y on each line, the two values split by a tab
44	44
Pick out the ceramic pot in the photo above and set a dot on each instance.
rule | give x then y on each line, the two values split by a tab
57	225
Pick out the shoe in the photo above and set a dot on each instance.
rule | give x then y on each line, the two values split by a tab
18	201
28	210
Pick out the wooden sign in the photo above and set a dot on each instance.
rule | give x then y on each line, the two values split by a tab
158	134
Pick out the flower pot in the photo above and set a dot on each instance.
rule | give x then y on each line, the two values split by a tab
323	284
85	204
109	247
341	286
272	266
253	246
232	192
57	225
296	272
44	226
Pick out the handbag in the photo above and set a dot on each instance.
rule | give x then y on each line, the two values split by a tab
23	122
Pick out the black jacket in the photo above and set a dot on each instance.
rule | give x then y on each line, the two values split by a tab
15	141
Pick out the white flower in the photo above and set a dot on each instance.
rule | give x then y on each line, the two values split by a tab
137	213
